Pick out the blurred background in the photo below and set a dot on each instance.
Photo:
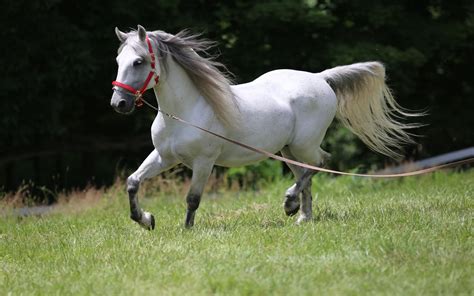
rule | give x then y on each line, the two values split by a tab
57	130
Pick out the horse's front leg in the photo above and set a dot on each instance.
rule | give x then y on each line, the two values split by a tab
151	166
201	172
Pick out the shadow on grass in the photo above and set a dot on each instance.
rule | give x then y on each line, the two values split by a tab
236	223
327	214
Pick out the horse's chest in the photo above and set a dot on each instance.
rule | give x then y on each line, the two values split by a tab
182	143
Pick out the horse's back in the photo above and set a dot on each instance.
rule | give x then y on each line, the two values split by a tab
313	104
282	108
286	86
303	94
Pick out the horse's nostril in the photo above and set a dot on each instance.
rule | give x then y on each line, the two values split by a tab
121	104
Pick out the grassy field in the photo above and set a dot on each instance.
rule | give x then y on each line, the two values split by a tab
407	237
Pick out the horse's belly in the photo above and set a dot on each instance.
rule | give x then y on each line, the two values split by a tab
234	155
244	159
270	134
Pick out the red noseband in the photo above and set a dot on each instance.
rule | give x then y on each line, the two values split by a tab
139	92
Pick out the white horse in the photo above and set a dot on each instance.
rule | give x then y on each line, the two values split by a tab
283	110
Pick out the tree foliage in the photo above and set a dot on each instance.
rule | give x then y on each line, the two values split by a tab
58	61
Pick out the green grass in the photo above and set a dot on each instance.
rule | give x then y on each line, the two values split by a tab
405	237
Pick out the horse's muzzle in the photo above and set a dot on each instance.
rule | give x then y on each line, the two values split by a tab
122	103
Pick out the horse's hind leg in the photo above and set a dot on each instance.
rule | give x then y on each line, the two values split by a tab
306	203
151	166
302	186
291	205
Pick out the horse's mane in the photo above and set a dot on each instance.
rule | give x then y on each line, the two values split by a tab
210	77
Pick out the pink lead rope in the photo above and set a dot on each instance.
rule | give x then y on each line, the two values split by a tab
139	102
312	167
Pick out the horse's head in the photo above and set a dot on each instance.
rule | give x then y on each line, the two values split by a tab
137	70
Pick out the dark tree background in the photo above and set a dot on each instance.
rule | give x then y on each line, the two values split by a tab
58	59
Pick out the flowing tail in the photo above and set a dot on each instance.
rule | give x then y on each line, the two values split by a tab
368	109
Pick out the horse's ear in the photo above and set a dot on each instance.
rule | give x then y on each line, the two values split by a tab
141	33
120	35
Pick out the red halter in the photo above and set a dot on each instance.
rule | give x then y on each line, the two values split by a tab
139	92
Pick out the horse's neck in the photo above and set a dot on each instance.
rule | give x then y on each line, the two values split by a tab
176	93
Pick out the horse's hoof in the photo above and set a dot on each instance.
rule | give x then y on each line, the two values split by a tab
292	212
189	224
147	221
152	222
189	221
291	206
302	219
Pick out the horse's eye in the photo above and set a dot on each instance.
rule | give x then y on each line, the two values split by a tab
137	62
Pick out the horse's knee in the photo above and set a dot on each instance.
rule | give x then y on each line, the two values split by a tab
132	185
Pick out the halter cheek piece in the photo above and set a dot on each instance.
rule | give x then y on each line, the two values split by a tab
139	92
